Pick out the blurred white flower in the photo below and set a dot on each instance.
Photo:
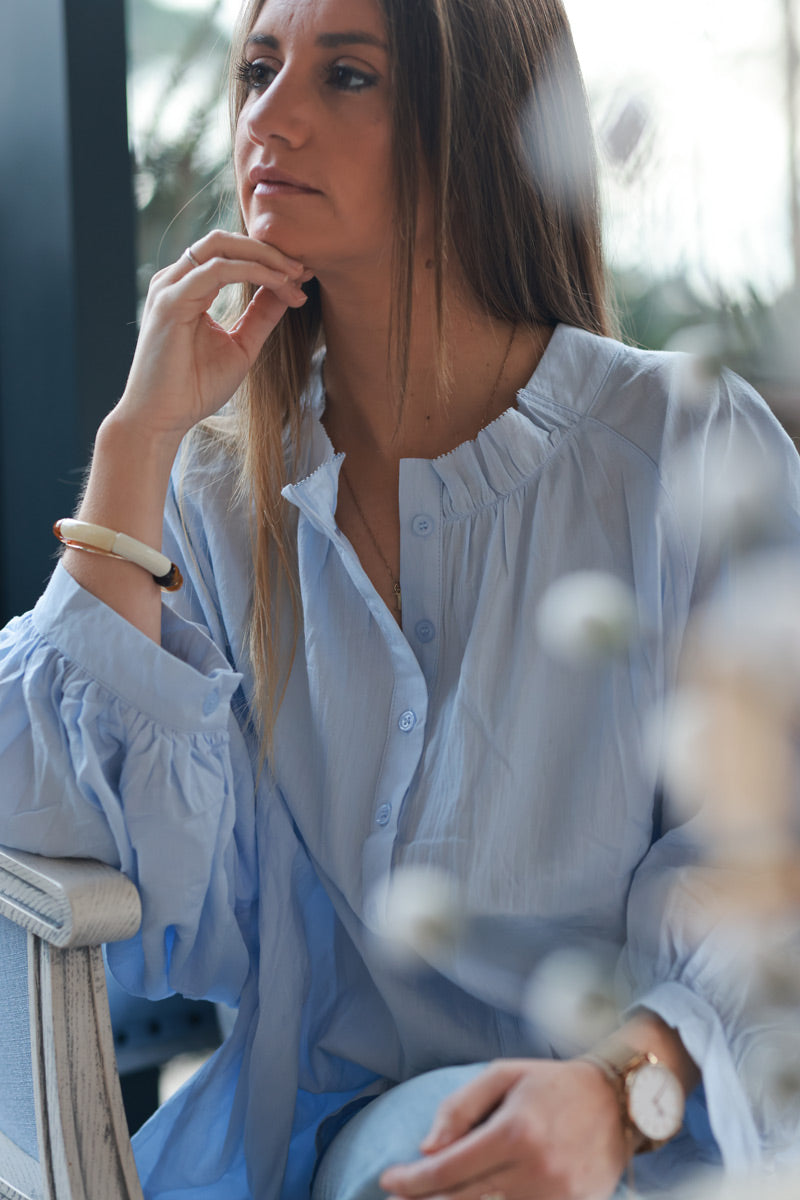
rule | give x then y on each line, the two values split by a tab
627	130
727	739
422	913
751	627
586	616
775	984
727	486
570	999
701	352
770	1074
713	1185
557	141
727	760
776	1068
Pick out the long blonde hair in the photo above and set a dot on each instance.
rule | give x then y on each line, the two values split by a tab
517	211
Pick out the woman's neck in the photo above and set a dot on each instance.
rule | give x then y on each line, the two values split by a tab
488	361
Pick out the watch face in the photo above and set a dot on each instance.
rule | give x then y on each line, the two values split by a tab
655	1101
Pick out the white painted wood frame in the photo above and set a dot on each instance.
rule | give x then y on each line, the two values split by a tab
69	908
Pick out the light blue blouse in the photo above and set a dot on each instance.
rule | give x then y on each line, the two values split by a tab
457	741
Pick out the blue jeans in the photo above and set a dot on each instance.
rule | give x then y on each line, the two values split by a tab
388	1131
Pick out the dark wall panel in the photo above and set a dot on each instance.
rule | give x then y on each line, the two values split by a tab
67	265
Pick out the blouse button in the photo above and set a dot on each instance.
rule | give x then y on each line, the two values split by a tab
383	814
407	721
211	703
425	631
422	525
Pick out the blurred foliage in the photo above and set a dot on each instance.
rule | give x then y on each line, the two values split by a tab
178	122
757	340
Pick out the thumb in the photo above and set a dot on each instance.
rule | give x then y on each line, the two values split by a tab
257	322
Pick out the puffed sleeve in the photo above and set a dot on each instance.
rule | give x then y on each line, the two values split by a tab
685	959
115	748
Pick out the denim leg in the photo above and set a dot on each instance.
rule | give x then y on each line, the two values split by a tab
389	1130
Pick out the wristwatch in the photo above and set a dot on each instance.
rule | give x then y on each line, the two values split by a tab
651	1097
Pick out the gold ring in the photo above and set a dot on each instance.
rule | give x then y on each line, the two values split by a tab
188	254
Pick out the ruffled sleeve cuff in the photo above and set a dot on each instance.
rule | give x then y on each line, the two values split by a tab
120	749
185	684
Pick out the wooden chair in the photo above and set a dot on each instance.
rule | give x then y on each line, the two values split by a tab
63	1132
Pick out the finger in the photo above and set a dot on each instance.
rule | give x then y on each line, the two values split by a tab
510	1182
257	322
473	1102
490	1148
203	284
222	244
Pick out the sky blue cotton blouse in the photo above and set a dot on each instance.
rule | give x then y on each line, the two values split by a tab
456	741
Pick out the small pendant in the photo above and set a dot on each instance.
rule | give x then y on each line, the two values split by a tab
398	598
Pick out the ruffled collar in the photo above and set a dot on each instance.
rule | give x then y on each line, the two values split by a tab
505	454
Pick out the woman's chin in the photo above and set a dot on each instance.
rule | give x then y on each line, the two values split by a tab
281	234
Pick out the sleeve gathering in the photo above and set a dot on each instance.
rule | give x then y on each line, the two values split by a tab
118	749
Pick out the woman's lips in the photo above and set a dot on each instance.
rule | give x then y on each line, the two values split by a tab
269	181
270	187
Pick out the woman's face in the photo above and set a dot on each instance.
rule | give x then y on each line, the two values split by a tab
313	141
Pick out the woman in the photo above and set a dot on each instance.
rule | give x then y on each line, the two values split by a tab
350	678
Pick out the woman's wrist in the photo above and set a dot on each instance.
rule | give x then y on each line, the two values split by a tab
646	1032
126	492
129	478
649	1072
125	435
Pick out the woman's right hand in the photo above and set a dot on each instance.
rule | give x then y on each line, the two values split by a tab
186	365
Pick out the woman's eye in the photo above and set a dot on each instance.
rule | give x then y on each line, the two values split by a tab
256	75
350	79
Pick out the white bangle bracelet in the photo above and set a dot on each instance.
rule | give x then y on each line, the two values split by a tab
81	535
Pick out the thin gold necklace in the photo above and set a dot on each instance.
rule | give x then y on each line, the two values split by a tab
490	401
398	595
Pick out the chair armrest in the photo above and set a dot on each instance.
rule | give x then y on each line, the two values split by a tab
68	901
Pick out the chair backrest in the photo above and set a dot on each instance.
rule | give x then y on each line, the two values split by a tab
63	1133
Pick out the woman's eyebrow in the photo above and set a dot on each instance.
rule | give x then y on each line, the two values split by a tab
352	37
263	39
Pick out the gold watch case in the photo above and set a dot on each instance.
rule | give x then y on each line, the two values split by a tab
650	1095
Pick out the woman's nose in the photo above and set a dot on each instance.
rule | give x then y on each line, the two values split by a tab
281	111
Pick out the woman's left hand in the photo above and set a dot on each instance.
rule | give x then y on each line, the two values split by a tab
523	1128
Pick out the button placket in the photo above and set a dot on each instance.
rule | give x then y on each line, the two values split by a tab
419	558
421	532
402	754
